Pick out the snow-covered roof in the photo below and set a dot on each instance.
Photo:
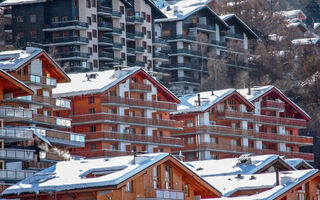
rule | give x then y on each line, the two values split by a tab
316	25
306	41
70	175
228	185
189	102
230	16
20	2
295	162
231	166
292	13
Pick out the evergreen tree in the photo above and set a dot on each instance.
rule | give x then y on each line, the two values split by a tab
312	11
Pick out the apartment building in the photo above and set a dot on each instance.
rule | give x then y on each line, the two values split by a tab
142	177
85	35
120	112
226	123
34	138
199	40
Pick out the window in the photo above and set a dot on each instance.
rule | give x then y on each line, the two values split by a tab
91	100
144	44
149	49
159	116
149	34
89	34
33	34
122	9
92	110
189	123
129	186
94	18
112	110
144	30
33	18
89	20
123	56
122	26
112	93
20	19
93	146
148	18
145	59
143	15
90	50
55	19
66	34
88	4
168	177
65	18
95	48
94	3
156	177
190	140
93	129
131	113
95	63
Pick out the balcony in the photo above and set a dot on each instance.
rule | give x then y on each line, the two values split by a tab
104	11
37	165
235	115
105	26
101	153
134	19
138	103
64	138
272	120
50	156
130	36
272	105
66	41
37	80
51	121
16	154
116	14
73	55
105	56
131	51
8	28
161	42
203	27
189	52
234	36
160	56
163	194
189	80
294	139
141	87
15	175
135	138
116	31
185	66
117	46
16	134
11	114
66	25
138	34
125	119
104	41
139	49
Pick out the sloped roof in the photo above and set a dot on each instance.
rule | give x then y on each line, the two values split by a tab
228	185
25	90
229	17
295	162
188	104
306	41
258	92
185	9
20	2
231	166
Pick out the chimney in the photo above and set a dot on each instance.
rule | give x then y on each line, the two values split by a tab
249	89
212	92
199	100
118	72
175	10
277	177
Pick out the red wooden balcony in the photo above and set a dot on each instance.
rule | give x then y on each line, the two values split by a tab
165	141
272	105
101	153
37	165
280	121
36	79
140	87
54	121
289	138
305	156
114	118
235	115
51	156
139	103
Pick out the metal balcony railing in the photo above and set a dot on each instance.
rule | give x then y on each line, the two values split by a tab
161	41
104	10
164	141
164	194
64	24
16	134
74	39
116	30
116	13
116	100
105	25
15	175
105	40
16	154
201	26
72	54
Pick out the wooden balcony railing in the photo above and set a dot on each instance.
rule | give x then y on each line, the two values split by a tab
57	103
57	121
16	133
136	137
139	102
16	154
247	133
114	118
241	149
31	78
164	194
140	87
101	153
280	120
52	156
235	115
37	165
273	104
7	174
12	113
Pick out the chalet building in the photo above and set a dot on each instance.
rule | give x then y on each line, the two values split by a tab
85	35
197	39
141	177
120	112
226	123
32	138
